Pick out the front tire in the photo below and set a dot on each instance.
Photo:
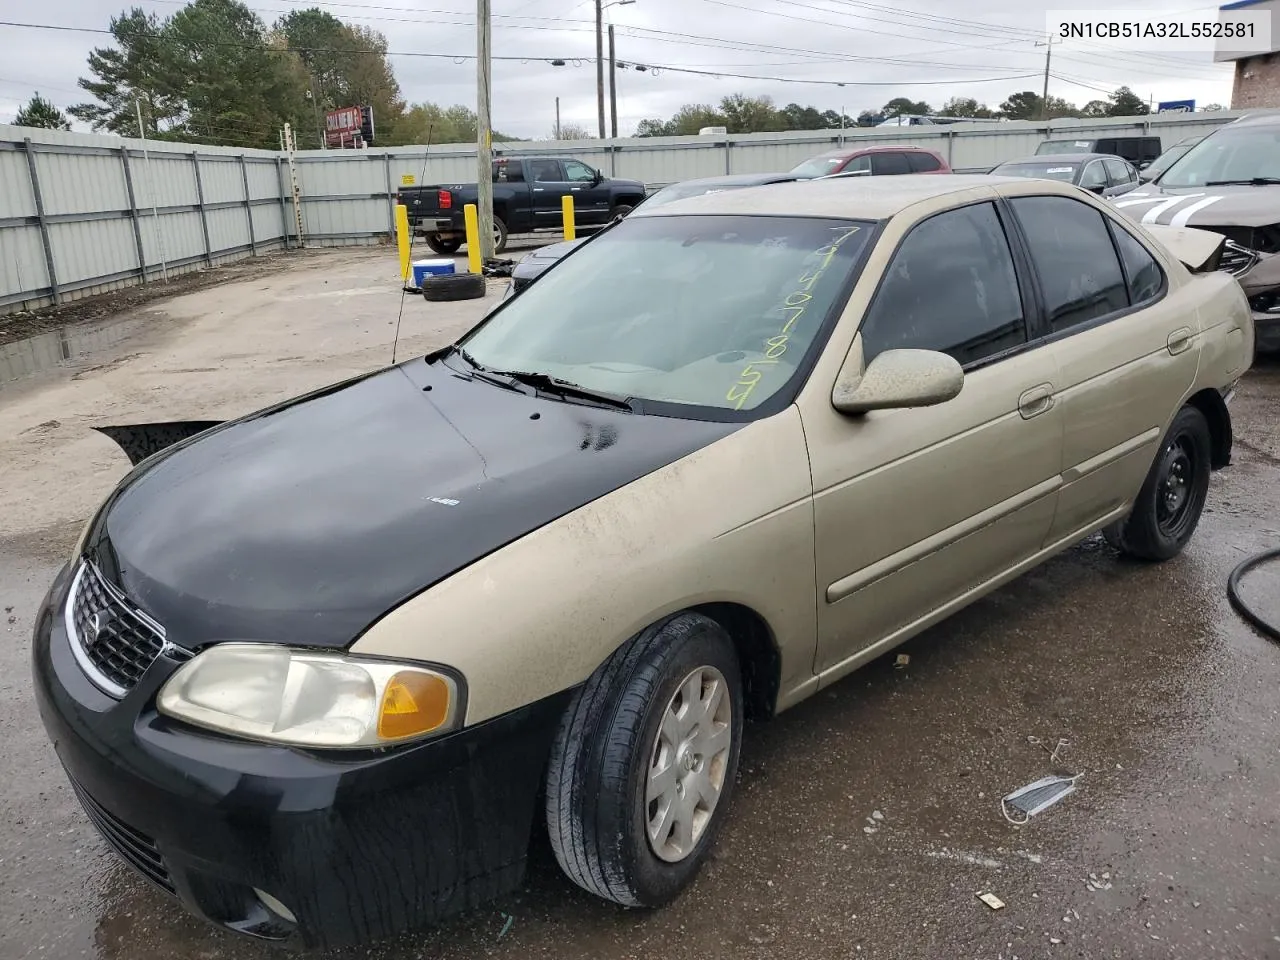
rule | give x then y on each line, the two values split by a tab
1168	508
643	766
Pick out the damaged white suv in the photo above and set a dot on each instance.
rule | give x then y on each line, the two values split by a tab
1229	183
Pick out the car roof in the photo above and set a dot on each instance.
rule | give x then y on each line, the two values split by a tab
873	148
1060	158
736	179
856	198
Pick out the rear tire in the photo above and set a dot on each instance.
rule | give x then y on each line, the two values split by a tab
443	245
453	286
643	766
1168	507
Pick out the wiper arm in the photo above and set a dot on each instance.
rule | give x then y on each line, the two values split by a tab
1251	182
480	372
566	388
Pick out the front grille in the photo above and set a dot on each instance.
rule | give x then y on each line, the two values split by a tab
1236	259
115	642
137	849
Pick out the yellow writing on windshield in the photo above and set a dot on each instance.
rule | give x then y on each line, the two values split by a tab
792	309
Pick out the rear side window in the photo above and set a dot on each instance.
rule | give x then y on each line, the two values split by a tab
1074	258
508	172
923	162
950	287
884	164
1146	279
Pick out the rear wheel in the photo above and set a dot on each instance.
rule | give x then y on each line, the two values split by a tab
643	766
443	245
1168	508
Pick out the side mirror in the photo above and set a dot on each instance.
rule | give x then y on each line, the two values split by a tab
898	378
598	178
1096	188
1144	164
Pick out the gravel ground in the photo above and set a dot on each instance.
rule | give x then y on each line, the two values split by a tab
867	818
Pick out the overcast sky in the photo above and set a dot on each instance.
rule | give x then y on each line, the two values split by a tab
924	49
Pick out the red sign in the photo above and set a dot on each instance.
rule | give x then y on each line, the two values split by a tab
342	126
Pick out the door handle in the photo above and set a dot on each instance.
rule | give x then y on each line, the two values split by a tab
1035	401
537	189
1180	340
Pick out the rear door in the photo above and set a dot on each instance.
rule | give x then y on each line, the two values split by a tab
889	163
547	185
914	508
1124	352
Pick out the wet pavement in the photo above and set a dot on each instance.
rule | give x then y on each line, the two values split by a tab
867	819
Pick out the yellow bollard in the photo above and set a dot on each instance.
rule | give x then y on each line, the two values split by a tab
566	208
472	217
403	238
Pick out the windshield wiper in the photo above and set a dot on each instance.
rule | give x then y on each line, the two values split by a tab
1251	182
565	388
480	372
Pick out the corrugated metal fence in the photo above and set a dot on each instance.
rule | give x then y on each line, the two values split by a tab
81	213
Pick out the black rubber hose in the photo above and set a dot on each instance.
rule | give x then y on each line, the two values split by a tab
1242	608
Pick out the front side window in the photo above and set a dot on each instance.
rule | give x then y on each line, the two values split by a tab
576	171
1093	176
860	164
1074	259
818	166
700	311
950	287
1243	155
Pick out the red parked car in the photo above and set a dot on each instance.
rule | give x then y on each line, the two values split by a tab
883	160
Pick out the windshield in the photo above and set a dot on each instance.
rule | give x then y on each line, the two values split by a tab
710	311
1243	153
1049	170
817	167
1167	159
1065	146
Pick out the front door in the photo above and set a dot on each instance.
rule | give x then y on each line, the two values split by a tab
915	508
590	195
1124	348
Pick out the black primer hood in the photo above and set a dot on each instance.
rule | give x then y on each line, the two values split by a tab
305	522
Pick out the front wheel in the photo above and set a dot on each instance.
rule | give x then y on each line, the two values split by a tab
1168	507
620	210
643	765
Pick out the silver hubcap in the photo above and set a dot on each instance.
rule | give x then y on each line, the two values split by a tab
688	763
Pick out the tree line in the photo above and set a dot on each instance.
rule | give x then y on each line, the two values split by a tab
214	72
739	113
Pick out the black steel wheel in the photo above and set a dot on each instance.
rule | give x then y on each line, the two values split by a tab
453	286
1168	507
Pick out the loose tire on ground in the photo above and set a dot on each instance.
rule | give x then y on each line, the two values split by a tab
1168	508
453	286
443	245
622	747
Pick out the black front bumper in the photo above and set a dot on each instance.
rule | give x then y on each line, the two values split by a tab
357	848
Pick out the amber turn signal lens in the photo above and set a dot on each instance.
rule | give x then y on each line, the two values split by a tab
412	704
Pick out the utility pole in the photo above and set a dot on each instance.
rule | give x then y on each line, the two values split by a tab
613	88
1044	97
600	64
484	136
557	118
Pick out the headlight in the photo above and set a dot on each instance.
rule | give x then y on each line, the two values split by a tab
272	693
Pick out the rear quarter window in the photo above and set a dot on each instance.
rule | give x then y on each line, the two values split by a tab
923	162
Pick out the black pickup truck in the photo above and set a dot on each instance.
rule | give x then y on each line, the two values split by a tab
527	194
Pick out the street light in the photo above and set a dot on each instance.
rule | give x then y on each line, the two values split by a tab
600	8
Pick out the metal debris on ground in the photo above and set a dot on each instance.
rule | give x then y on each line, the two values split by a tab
506	926
1094	883
904	659
497	267
1037	797
1053	751
991	900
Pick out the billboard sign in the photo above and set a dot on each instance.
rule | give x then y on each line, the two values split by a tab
1176	106
348	127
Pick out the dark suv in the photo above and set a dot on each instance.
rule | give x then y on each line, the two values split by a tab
1139	151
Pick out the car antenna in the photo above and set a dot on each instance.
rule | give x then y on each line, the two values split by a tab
404	286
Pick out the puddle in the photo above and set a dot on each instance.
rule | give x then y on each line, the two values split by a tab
46	351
